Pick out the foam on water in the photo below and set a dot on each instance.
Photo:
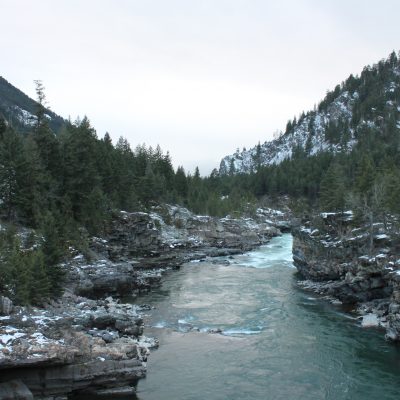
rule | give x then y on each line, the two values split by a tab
161	324
239	332
278	251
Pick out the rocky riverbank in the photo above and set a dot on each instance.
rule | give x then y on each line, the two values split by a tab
88	341
353	264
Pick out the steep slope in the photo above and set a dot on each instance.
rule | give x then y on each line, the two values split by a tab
19	109
370	101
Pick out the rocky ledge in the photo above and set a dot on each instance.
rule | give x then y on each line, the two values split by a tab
352	264
74	345
88	342
171	235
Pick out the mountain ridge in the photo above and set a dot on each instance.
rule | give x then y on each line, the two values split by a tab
18	109
358	102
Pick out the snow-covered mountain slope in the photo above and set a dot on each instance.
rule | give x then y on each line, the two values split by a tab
19	110
368	101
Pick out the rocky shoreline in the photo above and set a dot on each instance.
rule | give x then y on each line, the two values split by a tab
352	264
88	341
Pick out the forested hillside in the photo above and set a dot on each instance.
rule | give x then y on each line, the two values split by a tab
359	104
344	151
19	109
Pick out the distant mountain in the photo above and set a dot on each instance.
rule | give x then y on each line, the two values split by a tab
369	101
19	109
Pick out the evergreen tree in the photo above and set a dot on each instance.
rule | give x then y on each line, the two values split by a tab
127	176
232	168
181	184
333	189
11	164
53	250
45	139
21	277
3	127
196	175
257	157
95	216
33	185
365	174
79	172
106	167
392	184
40	288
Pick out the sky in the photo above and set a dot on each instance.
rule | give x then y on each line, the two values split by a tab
200	78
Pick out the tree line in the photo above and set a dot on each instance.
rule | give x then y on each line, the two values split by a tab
66	186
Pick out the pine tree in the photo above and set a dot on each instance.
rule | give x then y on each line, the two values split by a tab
147	191
45	139
232	168
33	185
94	211
196	175
105	162
181	184
365	174
126	175
7	238
333	189
11	164
53	250
20	278
40	287
3	127
79	172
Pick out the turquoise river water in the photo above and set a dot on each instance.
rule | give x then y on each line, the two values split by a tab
277	341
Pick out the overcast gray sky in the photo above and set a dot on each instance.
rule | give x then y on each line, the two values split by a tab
199	77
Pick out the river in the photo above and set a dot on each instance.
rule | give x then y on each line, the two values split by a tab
277	341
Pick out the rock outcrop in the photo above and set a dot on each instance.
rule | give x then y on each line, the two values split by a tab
172	235
76	345
356	265
131	235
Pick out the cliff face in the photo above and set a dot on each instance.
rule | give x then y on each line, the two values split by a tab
346	263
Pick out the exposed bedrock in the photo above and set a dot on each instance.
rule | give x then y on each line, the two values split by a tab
171	228
91	376
356	265
77	345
